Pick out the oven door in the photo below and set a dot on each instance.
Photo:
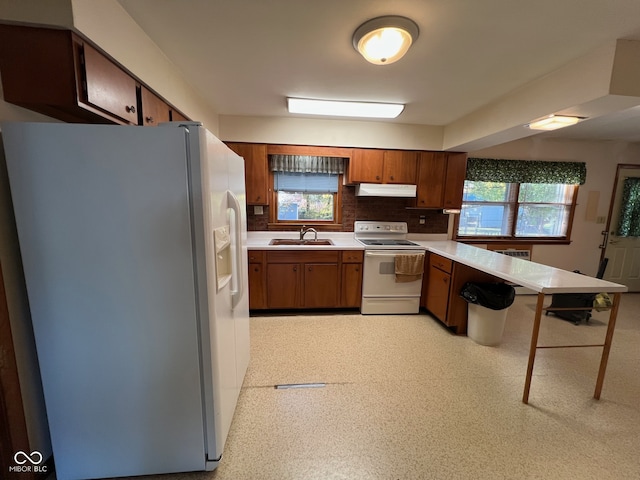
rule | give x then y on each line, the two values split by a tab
380	291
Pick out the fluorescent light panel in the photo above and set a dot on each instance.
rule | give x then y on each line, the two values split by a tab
553	122
344	109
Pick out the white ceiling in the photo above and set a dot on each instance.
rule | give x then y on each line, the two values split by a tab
247	56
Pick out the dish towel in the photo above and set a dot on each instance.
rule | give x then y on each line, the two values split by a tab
409	267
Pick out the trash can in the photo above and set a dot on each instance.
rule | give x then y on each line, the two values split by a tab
487	313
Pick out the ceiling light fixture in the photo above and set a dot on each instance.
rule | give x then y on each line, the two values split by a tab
553	122
344	109
384	40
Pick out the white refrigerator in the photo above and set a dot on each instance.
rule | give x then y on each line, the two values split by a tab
133	246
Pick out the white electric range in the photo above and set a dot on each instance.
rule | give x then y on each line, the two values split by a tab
381	293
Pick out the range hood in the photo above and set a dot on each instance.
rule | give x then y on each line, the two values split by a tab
385	190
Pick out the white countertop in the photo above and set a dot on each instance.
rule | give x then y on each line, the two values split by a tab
535	276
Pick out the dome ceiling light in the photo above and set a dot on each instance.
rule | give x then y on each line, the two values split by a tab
385	40
553	122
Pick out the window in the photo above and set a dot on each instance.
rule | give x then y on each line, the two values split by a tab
306	189
309	197
514	210
515	199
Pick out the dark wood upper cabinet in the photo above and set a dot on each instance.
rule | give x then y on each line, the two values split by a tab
106	86
154	109
54	72
454	180
365	166
441	178
382	166
59	74
256	171
432	167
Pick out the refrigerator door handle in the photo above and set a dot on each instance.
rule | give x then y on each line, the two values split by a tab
236	294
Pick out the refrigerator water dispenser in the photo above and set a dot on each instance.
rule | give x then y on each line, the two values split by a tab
222	241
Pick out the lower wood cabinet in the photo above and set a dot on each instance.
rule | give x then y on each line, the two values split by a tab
283	279
442	290
351	294
257	281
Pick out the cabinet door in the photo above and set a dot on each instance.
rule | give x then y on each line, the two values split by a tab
154	109
283	285
176	116
351	284
256	171
400	166
365	166
321	285
438	293
108	87
454	183
257	299
431	179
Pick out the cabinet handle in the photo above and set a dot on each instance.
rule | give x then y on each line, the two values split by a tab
377	177
149	119
256	269
391	177
310	269
295	269
130	109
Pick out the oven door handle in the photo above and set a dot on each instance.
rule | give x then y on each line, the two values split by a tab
392	253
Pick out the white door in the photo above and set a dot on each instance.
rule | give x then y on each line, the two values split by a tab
622	248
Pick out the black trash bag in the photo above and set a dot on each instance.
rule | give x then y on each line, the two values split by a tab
493	295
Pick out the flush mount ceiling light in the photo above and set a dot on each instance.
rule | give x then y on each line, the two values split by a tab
553	122
384	40
344	109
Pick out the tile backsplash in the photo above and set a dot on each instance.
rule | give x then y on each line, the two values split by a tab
371	208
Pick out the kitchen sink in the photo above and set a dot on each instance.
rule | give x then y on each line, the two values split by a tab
293	241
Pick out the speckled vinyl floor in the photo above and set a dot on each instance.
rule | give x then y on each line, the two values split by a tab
405	399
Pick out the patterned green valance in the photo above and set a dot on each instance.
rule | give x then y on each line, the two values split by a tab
526	171
306	164
629	222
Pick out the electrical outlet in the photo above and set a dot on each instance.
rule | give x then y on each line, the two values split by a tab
422	219
258	210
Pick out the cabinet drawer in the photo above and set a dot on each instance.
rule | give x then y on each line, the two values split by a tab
256	256
352	256
441	263
301	256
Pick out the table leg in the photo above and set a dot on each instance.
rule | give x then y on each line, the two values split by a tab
533	347
613	315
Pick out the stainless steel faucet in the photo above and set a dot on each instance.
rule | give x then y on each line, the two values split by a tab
304	230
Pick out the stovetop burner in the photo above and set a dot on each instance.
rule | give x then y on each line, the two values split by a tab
387	242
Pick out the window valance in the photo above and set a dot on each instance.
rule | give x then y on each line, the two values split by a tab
525	171
306	164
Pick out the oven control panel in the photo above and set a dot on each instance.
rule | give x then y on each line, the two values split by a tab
381	227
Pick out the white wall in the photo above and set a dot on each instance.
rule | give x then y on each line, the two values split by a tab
337	133
601	158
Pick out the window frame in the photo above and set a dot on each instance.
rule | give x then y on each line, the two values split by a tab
335	224
514	204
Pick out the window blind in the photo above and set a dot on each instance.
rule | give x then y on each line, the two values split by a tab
305	182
